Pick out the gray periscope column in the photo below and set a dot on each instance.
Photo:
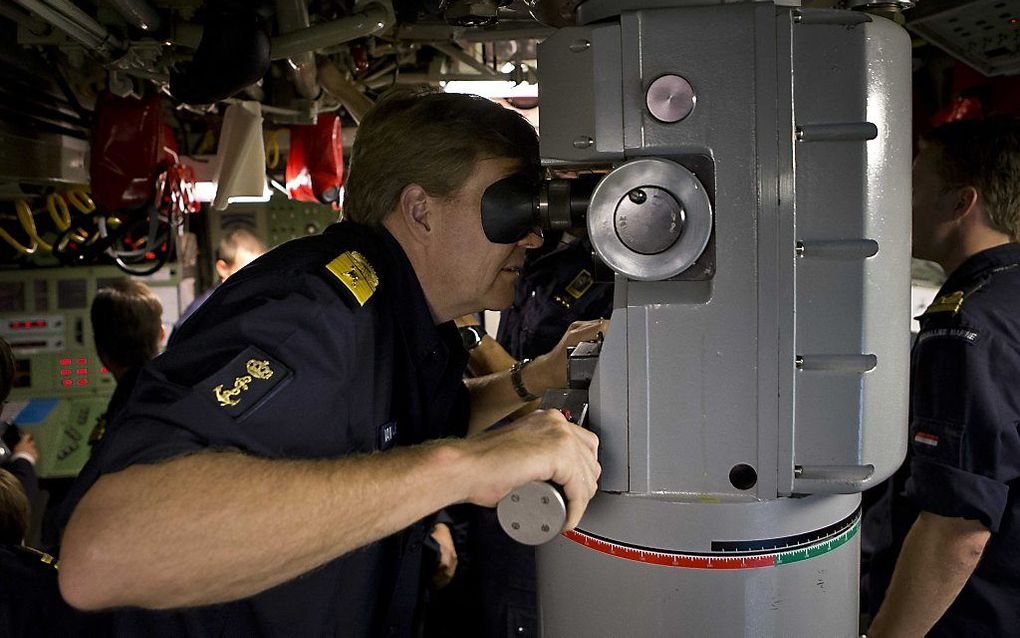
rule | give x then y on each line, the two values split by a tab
754	379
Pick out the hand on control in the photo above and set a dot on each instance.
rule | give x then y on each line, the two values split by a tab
552	366
542	446
26	446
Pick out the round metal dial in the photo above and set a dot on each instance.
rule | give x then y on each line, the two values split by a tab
650	219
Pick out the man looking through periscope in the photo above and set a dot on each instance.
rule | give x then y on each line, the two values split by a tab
292	420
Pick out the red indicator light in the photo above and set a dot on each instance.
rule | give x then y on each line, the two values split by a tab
65	373
1012	20
67	382
82	361
83	381
104	370
65	362
82	371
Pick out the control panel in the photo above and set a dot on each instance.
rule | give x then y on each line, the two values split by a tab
61	387
276	221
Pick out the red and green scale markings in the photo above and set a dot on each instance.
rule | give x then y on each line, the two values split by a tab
717	560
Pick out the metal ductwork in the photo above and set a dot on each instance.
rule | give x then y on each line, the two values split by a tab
344	91
76	24
371	19
292	16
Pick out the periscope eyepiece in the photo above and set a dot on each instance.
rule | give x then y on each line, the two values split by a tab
518	204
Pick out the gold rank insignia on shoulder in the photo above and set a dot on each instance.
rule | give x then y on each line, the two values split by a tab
43	557
580	284
354	272
946	303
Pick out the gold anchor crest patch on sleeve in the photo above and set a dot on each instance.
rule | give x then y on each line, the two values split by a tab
244	382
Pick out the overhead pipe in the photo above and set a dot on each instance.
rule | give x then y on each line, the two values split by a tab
462	56
292	16
76	24
137	13
437	78
71	11
344	91
373	18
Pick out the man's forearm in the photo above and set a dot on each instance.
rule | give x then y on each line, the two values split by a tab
938	556
214	527
489	357
494	397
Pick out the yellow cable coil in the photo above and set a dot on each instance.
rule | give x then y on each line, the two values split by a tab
80	199
62	218
28	223
272	150
16	245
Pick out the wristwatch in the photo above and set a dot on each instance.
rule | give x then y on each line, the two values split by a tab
471	336
518	381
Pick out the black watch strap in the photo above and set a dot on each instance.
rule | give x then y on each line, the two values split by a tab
518	382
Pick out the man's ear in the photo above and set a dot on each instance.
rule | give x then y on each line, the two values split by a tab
966	202
415	210
222	269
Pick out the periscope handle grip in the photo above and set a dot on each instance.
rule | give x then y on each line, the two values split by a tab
534	513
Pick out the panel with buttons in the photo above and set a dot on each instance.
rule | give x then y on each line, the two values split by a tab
61	387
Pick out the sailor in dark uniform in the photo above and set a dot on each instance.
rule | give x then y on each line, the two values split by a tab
953	509
275	469
556	288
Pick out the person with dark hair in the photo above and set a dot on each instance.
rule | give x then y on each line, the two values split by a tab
276	469
237	248
126	325
127	328
951	566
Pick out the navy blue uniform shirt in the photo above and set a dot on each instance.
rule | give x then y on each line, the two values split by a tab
323	347
964	451
30	602
557	287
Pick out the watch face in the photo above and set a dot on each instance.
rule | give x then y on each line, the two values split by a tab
470	336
